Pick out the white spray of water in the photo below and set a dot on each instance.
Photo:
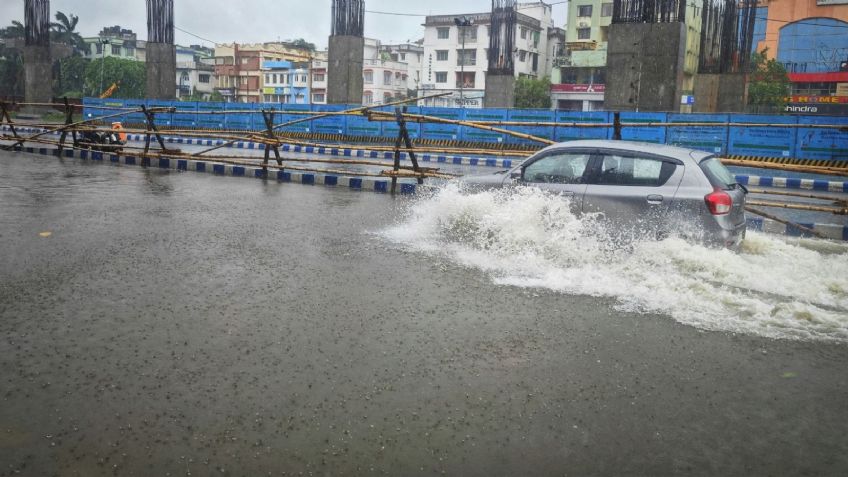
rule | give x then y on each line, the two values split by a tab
773	286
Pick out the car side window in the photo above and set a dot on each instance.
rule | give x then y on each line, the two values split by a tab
558	168
633	171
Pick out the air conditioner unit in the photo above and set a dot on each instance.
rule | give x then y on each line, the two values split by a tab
583	24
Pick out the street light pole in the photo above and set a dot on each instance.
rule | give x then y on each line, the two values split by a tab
461	23
103	42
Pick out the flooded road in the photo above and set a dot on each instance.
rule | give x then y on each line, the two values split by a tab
163	323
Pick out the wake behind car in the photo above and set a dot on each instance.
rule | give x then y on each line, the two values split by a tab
637	187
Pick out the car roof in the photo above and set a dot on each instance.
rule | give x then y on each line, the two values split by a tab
635	146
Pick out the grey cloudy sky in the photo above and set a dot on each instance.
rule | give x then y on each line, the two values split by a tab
225	21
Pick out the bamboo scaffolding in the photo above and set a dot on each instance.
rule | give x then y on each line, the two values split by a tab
423	118
835	200
786	222
830	171
66	127
312	118
241	160
797	206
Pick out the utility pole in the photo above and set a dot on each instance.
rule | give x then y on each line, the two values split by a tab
461	23
103	42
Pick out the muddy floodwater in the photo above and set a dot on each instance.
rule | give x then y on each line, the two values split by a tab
163	323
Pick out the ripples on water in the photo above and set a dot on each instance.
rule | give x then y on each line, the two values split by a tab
773	286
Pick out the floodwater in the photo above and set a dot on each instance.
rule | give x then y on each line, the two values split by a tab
163	323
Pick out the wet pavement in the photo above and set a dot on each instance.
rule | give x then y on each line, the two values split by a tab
163	323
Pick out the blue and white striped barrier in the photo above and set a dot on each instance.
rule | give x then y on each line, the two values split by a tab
793	183
761	181
371	184
831	231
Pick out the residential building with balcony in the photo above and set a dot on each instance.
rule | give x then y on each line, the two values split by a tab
318	77
578	82
455	58
239	68
384	80
410	53
285	82
195	71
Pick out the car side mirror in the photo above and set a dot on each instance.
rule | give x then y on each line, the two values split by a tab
515	175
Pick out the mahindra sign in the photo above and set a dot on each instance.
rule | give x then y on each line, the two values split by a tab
577	88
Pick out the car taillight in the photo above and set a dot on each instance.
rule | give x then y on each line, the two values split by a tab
719	202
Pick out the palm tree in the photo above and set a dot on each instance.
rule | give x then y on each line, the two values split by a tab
14	31
64	32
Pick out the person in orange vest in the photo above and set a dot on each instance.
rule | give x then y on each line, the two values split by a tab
117	126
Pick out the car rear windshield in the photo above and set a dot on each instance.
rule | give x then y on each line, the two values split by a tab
717	174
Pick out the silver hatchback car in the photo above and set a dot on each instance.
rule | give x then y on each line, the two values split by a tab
638	188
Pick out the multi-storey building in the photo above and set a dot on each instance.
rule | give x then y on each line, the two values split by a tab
579	83
413	55
455	57
384	80
195	71
318	76
285	82
810	39
116	42
239	68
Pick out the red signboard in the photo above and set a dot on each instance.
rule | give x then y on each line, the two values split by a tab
577	88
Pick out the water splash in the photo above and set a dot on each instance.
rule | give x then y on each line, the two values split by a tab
773	286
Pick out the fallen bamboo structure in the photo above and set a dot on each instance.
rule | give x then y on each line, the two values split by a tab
785	222
433	119
799	206
403	171
835	200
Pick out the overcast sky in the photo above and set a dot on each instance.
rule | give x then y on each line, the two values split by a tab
225	21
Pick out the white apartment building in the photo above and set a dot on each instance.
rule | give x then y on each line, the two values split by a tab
455	58
413	55
384	80
195	71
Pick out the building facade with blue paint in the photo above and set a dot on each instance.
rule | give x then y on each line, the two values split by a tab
285	82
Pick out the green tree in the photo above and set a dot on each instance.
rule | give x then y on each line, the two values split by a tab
301	43
63	30
130	75
15	31
216	97
71	78
768	84
11	73
533	93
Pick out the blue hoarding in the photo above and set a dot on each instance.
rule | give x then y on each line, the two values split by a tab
761	141
567	132
700	136
655	134
818	143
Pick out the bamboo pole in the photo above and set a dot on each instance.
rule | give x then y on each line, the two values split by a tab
327	114
830	171
796	206
241	160
423	118
785	222
836	200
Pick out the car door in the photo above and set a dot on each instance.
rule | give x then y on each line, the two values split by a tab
632	190
560	171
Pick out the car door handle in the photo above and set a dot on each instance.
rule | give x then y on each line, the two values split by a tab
655	199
